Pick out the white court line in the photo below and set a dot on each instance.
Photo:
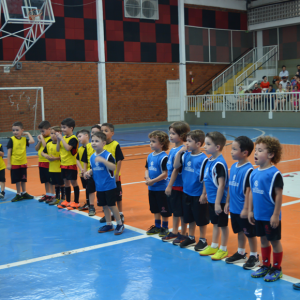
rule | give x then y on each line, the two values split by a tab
291	203
80	250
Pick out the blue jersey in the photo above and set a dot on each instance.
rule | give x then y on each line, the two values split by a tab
261	184
170	166
103	177
154	162
192	169
211	180
237	186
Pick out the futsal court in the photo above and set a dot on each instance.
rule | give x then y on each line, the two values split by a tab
46	253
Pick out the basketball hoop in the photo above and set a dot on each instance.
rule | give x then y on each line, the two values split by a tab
34	14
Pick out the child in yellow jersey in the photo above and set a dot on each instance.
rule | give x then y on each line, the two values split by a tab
56	181
2	173
83	162
67	147
114	148
43	139
17	160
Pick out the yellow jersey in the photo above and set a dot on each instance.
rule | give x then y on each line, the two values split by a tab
68	158
18	152
111	148
42	158
89	152
54	166
2	163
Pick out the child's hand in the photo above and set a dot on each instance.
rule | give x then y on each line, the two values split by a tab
81	173
149	182
51	158
203	199
251	218
39	137
244	214
87	175
218	209
8	167
183	149
117	177
59	136
226	209
274	221
100	159
25	133
168	191
147	179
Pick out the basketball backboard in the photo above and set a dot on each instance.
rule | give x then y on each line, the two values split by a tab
27	11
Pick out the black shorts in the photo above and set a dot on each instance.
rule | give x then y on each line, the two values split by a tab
221	220
175	203
107	198
84	182
69	174
56	179
242	225
91	185
119	191
263	228
194	211
18	175
159	203
2	175
44	175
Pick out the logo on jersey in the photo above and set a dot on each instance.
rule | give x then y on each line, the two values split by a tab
151	167
188	167
234	176
97	166
256	183
256	189
233	182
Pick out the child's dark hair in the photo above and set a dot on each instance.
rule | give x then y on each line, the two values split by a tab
273	146
83	131
218	138
69	122
162	137
96	126
181	128
246	144
19	124
100	135
110	126
56	128
44	125
197	136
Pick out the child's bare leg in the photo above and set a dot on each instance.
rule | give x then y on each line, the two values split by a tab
253	244
157	216
107	214
18	187
92	198
115	211
52	189
48	187
277	246
176	221
202	230
23	185
120	206
2	185
216	235
224	236
183	226
192	227
242	240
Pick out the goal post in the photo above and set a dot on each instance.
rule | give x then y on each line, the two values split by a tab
23	104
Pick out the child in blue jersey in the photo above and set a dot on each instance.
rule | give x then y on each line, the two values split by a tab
215	189
102	170
194	212
156	179
237	203
174	190
265	202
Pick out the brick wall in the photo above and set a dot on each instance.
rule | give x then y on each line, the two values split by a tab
70	89
201	73
137	93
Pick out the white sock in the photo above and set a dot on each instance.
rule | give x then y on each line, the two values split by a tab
214	245
223	248
111	213
108	223
48	194
121	213
23	193
119	222
241	251
254	254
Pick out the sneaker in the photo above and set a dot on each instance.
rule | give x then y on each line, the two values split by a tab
50	199
261	272
122	218
106	228
296	286
163	232
179	239
54	202
92	211
273	275
64	204
73	205
208	251
187	243
236	258
1	196
26	196
153	230
119	229
17	198
44	198
60	202
220	254
251	263
103	220
201	245
169	237
83	207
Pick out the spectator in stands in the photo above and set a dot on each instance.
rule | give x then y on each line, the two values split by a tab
276	80
295	101
271	98
298	70
280	97
208	103
241	99
284	82
294	81
255	99
284	72
264	84
298	82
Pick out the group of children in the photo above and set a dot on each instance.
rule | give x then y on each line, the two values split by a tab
186	184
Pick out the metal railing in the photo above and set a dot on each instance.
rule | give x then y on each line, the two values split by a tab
268	62
264	102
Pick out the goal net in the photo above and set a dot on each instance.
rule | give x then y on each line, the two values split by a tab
20	104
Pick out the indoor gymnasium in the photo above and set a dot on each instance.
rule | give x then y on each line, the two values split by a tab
149	149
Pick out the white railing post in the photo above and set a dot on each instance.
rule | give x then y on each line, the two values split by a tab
223	112
223	84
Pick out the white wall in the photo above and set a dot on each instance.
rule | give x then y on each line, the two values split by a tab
229	4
